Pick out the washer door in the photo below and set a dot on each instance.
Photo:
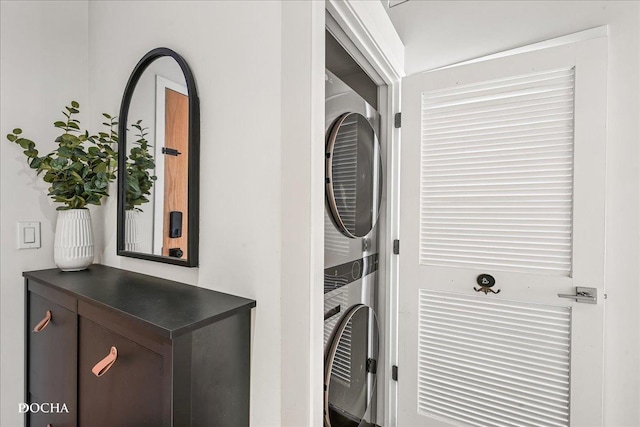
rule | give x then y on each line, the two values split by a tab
353	175
350	368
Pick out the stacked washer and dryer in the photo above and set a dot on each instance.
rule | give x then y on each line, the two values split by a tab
353	189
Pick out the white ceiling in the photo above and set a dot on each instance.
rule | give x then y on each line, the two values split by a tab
439	33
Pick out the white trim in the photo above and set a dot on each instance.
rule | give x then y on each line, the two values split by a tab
158	189
316	273
591	33
390	136
368	26
394	3
343	39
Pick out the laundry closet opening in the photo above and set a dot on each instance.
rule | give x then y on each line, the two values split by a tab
354	190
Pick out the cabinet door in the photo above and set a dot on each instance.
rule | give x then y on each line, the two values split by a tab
129	393
48	417
52	359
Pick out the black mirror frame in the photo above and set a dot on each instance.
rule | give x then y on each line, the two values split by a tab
193	198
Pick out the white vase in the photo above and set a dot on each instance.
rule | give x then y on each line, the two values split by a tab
131	234
73	243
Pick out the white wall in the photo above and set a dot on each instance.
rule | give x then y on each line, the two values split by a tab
234	51
43	66
442	33
302	184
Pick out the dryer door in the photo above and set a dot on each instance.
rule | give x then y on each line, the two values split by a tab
353	175
350	368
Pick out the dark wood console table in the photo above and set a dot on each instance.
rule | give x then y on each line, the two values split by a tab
119	348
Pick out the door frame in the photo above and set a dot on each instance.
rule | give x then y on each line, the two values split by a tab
367	34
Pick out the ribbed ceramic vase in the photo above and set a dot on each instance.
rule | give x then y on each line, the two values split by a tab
73	243
131	235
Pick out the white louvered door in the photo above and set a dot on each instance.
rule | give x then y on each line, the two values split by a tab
503	173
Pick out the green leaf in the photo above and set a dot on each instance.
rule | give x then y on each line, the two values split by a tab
75	175
65	152
59	163
17	131
67	137
80	153
74	104
60	124
100	167
24	143
11	137
35	163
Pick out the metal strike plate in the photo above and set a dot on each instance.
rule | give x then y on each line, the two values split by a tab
583	294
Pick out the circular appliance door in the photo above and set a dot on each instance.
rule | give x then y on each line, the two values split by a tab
350	368
353	175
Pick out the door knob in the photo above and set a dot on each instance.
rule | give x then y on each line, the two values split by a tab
583	294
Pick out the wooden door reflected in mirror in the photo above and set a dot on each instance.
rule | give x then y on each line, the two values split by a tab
175	207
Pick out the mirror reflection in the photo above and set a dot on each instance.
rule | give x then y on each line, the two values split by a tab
157	150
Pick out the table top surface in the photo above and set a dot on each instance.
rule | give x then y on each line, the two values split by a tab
169	308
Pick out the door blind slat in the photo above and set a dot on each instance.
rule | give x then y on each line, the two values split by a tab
532	161
503	148
512	407
536	111
526	395
507	412
509	106
555	374
506	82
494	362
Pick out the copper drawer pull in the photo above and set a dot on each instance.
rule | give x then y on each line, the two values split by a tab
43	323
103	366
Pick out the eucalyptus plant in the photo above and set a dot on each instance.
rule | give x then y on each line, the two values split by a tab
82	167
139	164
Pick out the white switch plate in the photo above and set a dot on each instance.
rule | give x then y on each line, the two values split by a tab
29	235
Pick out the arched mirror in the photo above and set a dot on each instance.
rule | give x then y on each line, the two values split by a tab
353	175
350	368
158	161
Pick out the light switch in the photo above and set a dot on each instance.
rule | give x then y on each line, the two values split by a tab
29	235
